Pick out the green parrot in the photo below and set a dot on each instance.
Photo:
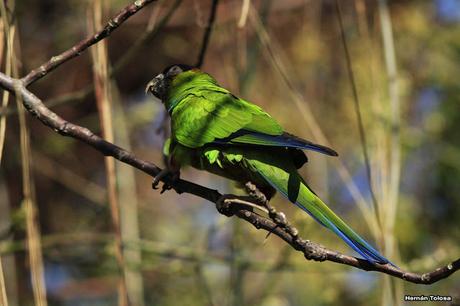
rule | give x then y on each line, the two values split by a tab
213	130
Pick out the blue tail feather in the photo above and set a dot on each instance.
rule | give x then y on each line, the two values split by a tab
363	248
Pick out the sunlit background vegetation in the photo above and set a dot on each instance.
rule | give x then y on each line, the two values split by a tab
288	57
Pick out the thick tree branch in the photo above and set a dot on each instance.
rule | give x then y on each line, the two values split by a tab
311	250
76	50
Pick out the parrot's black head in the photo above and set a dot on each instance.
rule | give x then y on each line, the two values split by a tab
160	84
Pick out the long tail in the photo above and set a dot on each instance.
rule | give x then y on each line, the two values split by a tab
293	187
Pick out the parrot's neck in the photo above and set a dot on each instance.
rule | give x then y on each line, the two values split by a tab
186	83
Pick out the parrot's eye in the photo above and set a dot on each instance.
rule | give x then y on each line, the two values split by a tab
174	70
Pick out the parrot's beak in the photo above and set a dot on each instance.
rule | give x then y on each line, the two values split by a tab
157	86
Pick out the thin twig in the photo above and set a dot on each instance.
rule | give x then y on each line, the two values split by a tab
247	203
207	34
309	249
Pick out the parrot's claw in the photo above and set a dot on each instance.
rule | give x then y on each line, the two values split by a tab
224	205
229	204
165	187
173	176
255	193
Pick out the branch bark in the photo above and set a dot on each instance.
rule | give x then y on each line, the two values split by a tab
277	226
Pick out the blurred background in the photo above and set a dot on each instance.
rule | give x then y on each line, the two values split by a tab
57	196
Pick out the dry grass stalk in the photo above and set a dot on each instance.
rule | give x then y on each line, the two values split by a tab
103	100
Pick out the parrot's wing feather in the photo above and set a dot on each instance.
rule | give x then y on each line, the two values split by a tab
207	115
213	115
283	140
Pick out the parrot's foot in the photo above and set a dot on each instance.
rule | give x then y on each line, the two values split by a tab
224	205
255	193
278	217
229	204
165	173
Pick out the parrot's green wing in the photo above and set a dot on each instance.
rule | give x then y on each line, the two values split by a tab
212	115
209	115
204	113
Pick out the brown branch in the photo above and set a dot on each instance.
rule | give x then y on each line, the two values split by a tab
311	250
76	50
